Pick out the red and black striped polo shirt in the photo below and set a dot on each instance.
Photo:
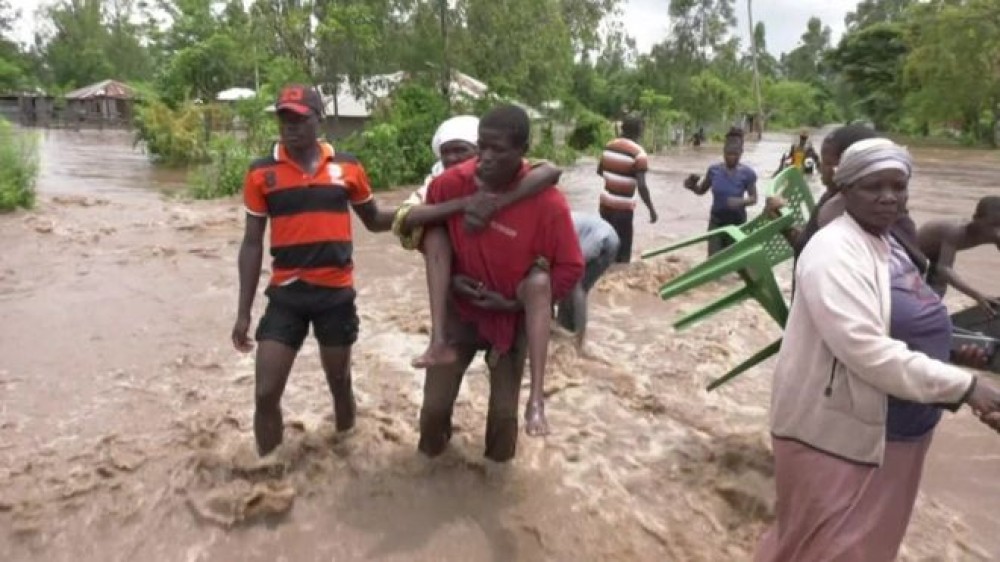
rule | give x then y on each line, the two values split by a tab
310	214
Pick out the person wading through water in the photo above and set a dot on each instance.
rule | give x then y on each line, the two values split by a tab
305	189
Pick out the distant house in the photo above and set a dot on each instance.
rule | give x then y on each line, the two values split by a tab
108	101
351	109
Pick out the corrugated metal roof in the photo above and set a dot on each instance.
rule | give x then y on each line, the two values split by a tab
103	89
377	87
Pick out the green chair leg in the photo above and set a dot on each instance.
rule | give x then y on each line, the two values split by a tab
734	297
719	266
753	361
730	232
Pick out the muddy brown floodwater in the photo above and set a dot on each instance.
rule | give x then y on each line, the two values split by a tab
125	414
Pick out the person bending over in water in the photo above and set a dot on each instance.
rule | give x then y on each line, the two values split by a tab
599	244
941	240
454	143
304	189
733	186
496	278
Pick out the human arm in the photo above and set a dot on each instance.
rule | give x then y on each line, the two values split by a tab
480	207
362	199
423	215
251	255
781	163
772	207
692	184
640	178
374	218
844	303
948	275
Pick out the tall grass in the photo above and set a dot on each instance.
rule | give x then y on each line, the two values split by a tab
18	167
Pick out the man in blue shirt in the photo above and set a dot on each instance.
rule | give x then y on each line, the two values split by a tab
733	186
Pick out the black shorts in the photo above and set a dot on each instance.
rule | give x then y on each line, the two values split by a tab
291	308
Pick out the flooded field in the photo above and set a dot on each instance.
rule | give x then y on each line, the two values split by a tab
125	413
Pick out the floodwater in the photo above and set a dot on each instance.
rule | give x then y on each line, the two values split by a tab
125	413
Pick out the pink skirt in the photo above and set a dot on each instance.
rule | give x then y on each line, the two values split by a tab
830	509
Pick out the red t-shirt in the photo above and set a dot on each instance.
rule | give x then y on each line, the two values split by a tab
501	255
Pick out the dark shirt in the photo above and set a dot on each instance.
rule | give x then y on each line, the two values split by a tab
921	321
727	184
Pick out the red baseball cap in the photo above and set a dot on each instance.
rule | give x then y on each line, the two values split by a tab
300	99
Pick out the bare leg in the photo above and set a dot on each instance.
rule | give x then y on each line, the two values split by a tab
337	366
437	259
274	363
535	295
441	385
505	389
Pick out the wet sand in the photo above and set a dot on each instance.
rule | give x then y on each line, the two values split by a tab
125	413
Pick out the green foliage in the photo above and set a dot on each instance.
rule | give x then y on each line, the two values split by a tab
395	148
794	104
230	157
229	154
174	137
952	70
545	147
871	63
660	118
714	98
590	131
805	62
18	168
525	57
205	69
90	40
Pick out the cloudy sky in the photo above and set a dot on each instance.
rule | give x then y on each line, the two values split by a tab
785	20
647	20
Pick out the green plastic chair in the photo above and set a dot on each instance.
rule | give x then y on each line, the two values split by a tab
756	248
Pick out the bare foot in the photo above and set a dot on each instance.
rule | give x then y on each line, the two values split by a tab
437	354
534	420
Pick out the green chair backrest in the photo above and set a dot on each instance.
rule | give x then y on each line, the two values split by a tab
791	186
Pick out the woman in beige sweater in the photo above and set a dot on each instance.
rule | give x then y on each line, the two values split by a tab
861	378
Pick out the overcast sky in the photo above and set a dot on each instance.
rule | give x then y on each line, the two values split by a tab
647	20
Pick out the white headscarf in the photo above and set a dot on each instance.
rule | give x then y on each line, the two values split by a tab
869	156
461	128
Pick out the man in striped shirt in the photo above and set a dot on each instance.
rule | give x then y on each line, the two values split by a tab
623	166
306	190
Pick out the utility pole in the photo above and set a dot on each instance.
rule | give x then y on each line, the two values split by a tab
758	122
445	66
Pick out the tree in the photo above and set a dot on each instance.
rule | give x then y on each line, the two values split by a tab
85	41
14	63
583	20
767	65
531	58
73	48
871	63
804	63
699	27
871	12
793	104
952	69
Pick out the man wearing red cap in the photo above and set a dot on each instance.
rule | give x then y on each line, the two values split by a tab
305	188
